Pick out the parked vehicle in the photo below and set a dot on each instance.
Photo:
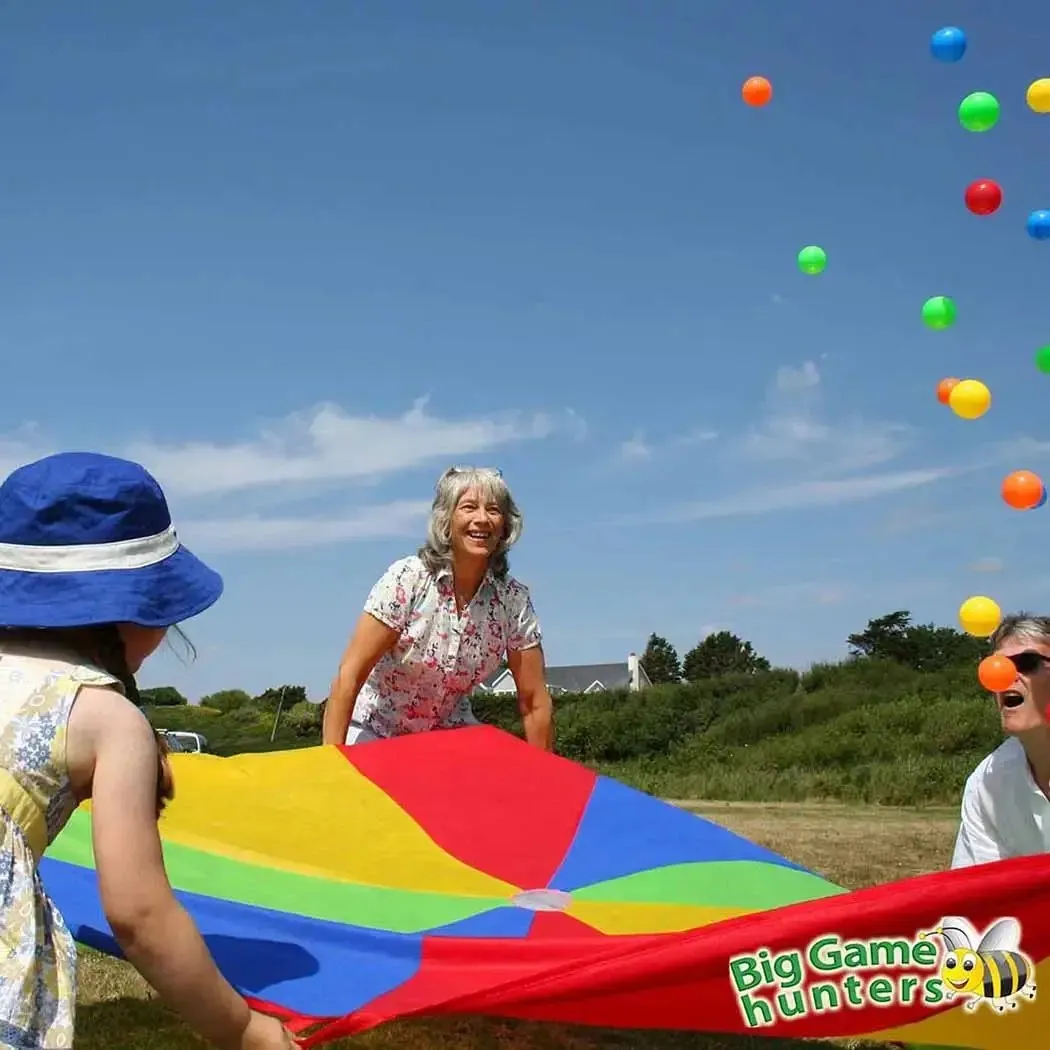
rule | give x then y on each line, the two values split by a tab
184	742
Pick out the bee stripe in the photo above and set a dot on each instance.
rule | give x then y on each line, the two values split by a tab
995	969
1004	973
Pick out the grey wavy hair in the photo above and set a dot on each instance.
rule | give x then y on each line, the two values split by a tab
1023	626
436	552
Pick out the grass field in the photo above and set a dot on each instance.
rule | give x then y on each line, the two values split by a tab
852	846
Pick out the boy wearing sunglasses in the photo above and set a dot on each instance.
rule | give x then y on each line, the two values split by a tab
1006	801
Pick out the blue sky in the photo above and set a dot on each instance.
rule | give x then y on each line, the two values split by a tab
297	258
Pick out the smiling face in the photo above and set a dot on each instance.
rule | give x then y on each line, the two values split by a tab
963	970
477	526
1025	705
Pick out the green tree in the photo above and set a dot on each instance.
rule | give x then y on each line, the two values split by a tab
226	700
285	695
660	661
924	647
304	719
163	696
720	654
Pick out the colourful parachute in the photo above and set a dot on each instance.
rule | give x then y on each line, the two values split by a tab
464	872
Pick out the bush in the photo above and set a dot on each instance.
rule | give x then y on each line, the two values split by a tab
865	730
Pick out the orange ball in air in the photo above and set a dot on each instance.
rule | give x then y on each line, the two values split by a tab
996	673
1022	489
944	389
757	91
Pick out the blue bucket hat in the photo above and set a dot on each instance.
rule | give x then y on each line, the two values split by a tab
88	539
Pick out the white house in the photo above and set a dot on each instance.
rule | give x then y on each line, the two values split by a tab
578	678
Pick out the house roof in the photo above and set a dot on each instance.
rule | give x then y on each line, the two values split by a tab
575	678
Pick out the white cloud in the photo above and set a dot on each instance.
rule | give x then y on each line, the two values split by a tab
635	449
696	436
328	444
639	449
253	533
797	496
795	429
324	444
304	454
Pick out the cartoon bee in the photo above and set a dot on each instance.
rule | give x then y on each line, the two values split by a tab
996	971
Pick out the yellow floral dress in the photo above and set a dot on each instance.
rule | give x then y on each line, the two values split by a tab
38	956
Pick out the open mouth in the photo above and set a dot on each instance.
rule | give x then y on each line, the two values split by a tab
480	537
1012	698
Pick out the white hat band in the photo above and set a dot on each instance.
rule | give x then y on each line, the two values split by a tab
90	557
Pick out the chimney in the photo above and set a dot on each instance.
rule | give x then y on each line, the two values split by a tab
632	672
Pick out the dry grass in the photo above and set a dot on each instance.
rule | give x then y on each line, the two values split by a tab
852	846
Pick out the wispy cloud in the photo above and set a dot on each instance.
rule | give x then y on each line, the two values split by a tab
254	533
638	449
795	429
324	449
634	450
327	444
795	496
812	460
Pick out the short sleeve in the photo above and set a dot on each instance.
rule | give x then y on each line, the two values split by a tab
391	598
976	841
524	630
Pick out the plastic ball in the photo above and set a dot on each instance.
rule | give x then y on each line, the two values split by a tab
757	91
812	259
1038	95
1022	489
939	312
983	197
945	388
948	44
1039	225
970	399
1042	358
996	673
979	111
979	616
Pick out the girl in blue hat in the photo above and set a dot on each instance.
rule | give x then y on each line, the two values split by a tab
92	576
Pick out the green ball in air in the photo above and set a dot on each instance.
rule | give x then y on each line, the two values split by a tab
938	312
812	259
979	111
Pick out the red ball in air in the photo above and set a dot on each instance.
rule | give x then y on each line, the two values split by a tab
983	197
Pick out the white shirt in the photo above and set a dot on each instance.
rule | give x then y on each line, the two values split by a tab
1004	814
424	681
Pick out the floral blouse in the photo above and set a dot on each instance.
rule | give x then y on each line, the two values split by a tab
423	682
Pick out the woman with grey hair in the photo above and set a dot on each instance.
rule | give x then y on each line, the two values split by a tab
1005	808
440	621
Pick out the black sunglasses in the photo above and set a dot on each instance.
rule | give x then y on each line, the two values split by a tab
1029	661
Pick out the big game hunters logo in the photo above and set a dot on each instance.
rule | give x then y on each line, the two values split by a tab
949	962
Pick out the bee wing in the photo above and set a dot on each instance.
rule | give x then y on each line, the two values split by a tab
958	932
1004	935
